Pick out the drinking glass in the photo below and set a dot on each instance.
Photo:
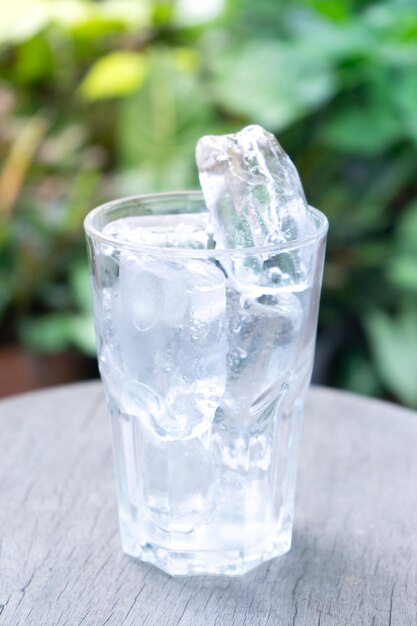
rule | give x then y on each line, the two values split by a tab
205	356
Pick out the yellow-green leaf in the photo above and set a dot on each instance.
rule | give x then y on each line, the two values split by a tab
115	74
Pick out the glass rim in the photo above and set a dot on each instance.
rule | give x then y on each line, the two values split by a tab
94	232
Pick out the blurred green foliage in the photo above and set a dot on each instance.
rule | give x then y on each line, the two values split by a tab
102	99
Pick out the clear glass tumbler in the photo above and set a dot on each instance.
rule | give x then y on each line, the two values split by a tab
205	356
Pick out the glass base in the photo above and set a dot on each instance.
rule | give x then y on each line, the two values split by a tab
220	562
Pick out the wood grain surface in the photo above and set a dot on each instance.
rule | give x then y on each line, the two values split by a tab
354	555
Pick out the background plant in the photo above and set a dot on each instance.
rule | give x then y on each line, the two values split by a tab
100	99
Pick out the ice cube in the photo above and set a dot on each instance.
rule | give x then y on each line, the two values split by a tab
169	320
176	477
192	230
255	199
263	337
252	189
263	273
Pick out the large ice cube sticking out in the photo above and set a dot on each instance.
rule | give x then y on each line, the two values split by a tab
252	189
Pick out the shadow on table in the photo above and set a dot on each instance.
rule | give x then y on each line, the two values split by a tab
309	582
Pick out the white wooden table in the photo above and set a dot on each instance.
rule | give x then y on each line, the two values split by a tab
354	556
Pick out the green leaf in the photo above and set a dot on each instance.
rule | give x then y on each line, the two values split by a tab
406	230
81	288
162	12
82	335
365	130
388	180
97	26
82	195
271	83
393	342
405	94
115	74
402	265
159	125
93	17
358	375
332	40
333	9
49	333
263	17
34	60
402	272
393	21
56	332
